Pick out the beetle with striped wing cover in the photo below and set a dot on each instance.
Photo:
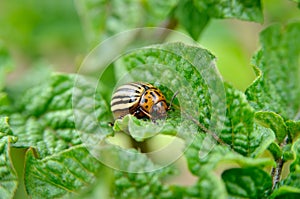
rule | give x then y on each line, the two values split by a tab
140	99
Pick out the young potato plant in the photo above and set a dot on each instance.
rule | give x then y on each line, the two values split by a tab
236	144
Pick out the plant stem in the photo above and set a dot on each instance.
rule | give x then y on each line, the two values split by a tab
276	171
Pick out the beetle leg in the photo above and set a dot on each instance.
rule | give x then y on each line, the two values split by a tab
148	115
136	113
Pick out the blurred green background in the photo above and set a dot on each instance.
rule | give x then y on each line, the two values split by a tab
44	36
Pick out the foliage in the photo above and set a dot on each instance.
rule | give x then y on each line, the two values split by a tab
192	15
236	144
8	175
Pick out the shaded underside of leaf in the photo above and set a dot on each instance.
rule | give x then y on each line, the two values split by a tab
142	130
191	18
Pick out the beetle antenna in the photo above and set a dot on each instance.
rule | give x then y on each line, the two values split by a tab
173	99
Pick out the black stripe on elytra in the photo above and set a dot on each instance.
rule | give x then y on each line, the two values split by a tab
157	93
124	101
145	87
124	109
152	94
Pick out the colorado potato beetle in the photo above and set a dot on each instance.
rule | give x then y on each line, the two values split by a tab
140	99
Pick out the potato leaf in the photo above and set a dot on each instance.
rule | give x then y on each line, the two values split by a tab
8	175
247	182
277	86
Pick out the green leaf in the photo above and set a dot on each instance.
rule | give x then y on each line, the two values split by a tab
239	131
273	121
275	149
257	140
287	153
101	188
289	187
191	18
277	86
141	185
247	182
47	121
239	124
194	15
293	128
187	69
245	10
286	192
295	165
101	22
75	172
293	180
190	70
98	20
117	184
202	158
265	137
61	175
8	175
141	130
131	180
46	118
158	11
